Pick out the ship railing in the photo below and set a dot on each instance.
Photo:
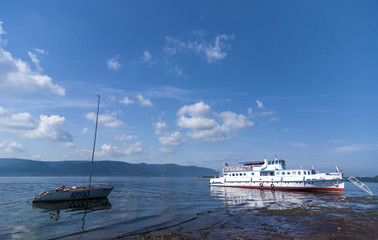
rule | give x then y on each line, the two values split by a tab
234	169
360	184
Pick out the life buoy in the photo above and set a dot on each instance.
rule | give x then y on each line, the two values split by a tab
261	185
271	185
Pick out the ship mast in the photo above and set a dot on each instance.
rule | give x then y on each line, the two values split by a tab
94	142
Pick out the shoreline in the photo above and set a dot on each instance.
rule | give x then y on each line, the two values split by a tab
305	222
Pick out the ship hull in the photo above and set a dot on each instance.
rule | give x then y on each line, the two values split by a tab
324	186
81	193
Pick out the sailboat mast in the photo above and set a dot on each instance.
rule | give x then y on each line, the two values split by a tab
94	142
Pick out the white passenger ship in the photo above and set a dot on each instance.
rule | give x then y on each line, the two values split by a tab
274	175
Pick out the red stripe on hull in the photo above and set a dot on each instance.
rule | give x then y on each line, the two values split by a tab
288	188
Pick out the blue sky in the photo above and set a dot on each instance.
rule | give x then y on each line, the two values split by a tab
191	82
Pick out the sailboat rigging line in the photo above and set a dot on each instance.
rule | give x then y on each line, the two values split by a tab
94	142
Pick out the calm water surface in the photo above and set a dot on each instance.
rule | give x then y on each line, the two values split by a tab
142	205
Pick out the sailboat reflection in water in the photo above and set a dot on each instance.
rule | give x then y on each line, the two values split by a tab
77	192
59	209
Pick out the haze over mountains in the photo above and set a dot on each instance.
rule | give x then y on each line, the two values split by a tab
13	167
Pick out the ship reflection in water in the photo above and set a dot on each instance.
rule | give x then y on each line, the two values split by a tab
271	199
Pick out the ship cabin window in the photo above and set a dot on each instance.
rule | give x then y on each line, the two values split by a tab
244	174
308	173
304	172
267	173
253	174
299	172
283	173
294	172
237	174
288	173
233	174
277	173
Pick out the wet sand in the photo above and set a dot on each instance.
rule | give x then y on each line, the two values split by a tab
304	222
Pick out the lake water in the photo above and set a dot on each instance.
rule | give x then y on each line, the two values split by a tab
152	205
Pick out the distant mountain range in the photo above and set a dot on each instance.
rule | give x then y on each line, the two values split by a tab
14	167
369	179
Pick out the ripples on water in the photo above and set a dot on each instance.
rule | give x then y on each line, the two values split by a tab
140	205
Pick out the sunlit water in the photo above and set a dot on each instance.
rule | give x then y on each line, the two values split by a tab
140	205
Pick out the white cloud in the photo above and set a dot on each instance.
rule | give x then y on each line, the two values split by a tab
84	131
17	122
127	101
169	92
16	75
209	135
10	146
354	148
195	110
173	45
144	101
78	154
213	51
108	120
196	123
2	32
178	70
41	51
204	124
108	151
169	141
49	128
160	127
259	104
172	139
262	113
233	122
147	58
113	63
266	113
165	150
124	137
35	60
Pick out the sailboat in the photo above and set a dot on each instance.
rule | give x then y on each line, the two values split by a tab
77	192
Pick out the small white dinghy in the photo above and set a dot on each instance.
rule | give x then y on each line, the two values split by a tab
77	192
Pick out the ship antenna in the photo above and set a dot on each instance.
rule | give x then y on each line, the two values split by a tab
94	142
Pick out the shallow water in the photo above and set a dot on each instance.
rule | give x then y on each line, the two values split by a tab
146	205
